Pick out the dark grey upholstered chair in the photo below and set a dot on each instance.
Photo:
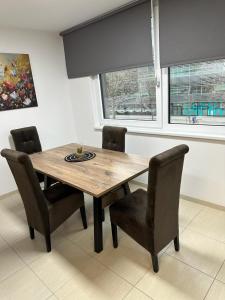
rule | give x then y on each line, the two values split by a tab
27	140
151	217
45	210
113	138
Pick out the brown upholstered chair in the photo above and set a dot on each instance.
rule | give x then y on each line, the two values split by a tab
113	138
151	217
45	210
27	140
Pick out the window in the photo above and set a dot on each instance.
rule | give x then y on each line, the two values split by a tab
197	93
165	101
129	94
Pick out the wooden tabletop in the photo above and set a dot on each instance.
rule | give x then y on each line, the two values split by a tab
108	170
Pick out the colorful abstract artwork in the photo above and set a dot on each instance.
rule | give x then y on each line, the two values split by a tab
16	82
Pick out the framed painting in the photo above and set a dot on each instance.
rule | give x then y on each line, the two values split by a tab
16	82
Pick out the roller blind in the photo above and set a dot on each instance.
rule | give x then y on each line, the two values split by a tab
116	41
191	31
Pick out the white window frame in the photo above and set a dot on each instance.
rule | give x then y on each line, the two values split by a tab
161	126
100	121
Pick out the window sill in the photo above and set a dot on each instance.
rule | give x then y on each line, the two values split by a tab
170	133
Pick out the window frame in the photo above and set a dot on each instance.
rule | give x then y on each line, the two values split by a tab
100	121
152	123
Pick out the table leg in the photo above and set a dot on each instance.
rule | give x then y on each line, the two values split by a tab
47	182
126	188
98	244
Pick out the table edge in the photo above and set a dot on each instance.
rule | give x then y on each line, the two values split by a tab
99	195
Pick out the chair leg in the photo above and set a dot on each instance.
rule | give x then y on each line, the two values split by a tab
103	215
177	243
48	242
114	235
31	229
155	263
83	216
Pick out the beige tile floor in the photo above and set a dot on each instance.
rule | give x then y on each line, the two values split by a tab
73	271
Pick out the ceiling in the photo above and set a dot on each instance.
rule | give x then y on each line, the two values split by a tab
52	15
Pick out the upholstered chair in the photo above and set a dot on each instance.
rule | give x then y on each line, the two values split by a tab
151	217
113	138
45	210
27	140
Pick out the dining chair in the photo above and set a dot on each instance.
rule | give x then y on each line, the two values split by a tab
113	138
151	217
27	140
45	210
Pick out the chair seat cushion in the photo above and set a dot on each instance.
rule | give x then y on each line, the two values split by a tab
58	191
129	214
63	201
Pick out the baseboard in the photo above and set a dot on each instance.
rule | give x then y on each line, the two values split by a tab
202	202
188	198
3	196
144	185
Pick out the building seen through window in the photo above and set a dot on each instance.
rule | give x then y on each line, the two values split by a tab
197	93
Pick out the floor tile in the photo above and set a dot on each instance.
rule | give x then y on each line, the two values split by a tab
85	238
64	262
29	250
135	294
200	252
187	211
102	285
216	292
175	281
9	263
210	222
23	285
3	244
13	227
221	274
12	204
129	260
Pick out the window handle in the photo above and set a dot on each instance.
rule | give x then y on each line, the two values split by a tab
157	83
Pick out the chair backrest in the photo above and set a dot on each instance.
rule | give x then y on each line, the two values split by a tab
26	139
164	193
28	185
113	138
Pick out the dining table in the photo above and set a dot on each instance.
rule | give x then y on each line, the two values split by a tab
104	173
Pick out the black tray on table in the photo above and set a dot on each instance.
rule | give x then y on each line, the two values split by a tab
74	157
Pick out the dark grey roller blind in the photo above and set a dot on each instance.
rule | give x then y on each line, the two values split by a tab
191	31
117	41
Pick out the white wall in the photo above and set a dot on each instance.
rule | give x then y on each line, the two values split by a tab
204	169
53	116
